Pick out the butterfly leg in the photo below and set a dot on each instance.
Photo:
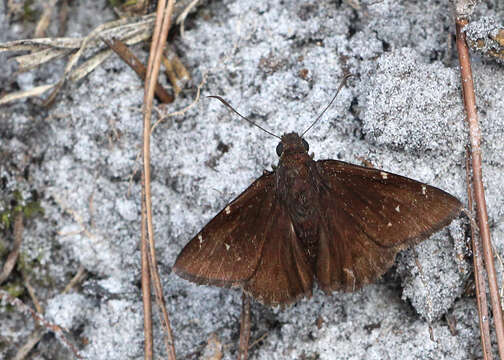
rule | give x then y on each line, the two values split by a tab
244	328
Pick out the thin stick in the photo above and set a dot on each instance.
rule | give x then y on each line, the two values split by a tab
63	18
162	25
183	15
178	65
258	340
122	50
478	274
146	282
14	254
81	275
184	110
33	296
25	309
45	19
479	192
33	340
244	328
37	334
170	72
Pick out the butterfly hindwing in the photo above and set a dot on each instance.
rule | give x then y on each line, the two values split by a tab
284	273
227	250
368	216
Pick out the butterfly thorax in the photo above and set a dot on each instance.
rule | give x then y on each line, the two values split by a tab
297	187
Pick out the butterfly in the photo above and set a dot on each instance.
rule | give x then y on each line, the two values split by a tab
327	221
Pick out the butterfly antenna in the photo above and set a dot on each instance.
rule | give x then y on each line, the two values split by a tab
343	83
243	117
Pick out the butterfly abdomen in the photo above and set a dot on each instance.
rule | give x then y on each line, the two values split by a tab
297	187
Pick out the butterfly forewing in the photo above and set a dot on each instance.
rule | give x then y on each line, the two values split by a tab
369	215
228	249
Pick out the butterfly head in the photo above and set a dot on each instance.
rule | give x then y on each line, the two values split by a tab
292	143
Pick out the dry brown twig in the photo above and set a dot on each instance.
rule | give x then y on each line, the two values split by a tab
146	281
130	30
175	70
184	110
37	334
36	314
7	269
33	296
45	19
77	218
63	17
183	15
479	279
258	340
14	254
33	340
77	278
463	10
25	309
163	22
133	62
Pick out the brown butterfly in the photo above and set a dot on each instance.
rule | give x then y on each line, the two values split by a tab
328	221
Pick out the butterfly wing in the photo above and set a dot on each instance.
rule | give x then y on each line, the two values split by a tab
227	250
368	216
284	273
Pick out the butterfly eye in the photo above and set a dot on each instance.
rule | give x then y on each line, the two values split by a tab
305	144
279	149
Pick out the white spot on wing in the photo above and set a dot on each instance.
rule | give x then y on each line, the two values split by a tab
389	224
200	238
424	189
228	210
350	274
227	246
398	209
384	175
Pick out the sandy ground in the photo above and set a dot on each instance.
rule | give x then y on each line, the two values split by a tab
279	63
